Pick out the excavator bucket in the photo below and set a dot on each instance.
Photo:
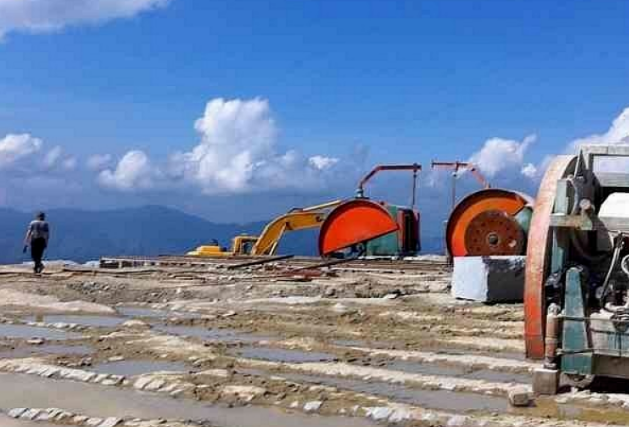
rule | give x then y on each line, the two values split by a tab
354	222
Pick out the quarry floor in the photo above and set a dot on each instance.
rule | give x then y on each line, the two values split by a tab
208	346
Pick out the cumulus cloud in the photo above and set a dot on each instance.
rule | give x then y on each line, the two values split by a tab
237	137
56	160
498	154
16	147
237	153
37	16
133	172
618	133
99	162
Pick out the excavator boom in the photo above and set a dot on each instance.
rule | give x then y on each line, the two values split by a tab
298	219
272	234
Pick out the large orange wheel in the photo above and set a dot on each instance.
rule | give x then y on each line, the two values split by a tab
539	254
354	222
483	224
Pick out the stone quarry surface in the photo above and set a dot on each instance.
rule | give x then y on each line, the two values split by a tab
211	346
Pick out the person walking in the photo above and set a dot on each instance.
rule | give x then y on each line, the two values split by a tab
37	237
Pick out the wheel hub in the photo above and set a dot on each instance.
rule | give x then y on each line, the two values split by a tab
494	232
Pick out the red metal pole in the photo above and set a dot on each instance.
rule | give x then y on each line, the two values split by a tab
360	192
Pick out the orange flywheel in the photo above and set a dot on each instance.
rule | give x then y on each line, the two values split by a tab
538	258
484	223
354	222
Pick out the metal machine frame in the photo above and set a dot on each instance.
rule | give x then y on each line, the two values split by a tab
569	321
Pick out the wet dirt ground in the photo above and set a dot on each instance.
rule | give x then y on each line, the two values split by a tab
208	346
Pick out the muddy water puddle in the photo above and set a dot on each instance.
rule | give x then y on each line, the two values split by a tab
130	368
98	401
222	335
361	343
90	321
428	346
458	352
461	372
20	352
153	313
28	332
284	356
499	377
430	399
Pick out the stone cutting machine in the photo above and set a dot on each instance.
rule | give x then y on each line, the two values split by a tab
377	228
577	272
491	221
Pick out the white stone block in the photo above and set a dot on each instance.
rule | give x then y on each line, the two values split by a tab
489	279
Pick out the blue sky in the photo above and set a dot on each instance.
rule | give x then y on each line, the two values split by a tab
394	80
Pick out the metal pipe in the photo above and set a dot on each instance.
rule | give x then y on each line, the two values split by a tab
360	192
414	195
456	166
551	341
322	206
455	175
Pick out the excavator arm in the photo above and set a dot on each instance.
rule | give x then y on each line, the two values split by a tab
298	219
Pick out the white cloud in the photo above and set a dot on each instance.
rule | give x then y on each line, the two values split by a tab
98	162
236	138
322	162
529	171
15	147
498	154
52	156
238	152
69	163
55	160
37	16
618	133
134	171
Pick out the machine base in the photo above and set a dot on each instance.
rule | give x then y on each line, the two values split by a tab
546	381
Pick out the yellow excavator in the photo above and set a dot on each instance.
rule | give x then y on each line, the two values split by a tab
268	241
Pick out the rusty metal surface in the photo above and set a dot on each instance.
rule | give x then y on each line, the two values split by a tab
464	215
494	233
539	256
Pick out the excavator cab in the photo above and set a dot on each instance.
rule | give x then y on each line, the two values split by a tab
244	244
241	245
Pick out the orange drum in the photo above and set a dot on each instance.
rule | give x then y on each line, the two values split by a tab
354	222
487	223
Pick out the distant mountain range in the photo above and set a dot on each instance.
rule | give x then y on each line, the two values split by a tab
151	230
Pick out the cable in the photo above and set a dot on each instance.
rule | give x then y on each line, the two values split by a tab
618	245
